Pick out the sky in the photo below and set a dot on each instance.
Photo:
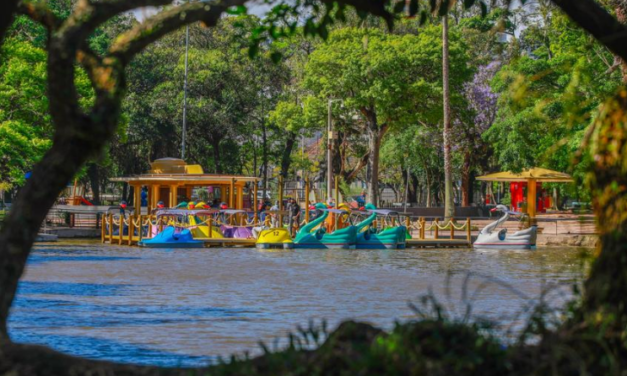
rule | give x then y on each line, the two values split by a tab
255	7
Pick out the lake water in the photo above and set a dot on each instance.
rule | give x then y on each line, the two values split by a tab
185	307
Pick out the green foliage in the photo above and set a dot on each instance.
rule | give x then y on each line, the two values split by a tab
25	125
548	100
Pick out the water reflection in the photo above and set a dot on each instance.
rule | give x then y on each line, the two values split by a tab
183	307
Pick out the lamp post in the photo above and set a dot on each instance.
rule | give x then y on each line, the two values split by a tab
184	132
330	138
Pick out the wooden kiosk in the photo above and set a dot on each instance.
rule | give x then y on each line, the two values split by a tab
531	177
172	181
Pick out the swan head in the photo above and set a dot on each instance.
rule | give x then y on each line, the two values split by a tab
504	209
501	208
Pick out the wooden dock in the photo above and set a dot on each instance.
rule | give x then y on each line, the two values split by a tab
130	230
438	243
229	242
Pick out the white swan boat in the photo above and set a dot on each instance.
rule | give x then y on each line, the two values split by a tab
490	237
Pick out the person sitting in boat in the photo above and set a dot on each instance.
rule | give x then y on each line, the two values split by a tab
294	215
275	208
202	205
331	203
313	212
123	206
191	205
160	206
264	213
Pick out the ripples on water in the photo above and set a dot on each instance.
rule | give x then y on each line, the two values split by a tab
185	307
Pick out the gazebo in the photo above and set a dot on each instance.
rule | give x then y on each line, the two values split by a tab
531	177
170	179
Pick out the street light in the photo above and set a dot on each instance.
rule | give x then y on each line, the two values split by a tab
330	138
184	132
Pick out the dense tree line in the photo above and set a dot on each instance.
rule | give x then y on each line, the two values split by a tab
589	341
523	96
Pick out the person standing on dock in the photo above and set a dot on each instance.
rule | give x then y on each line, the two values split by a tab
294	215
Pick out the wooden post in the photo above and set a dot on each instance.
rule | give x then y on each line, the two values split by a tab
156	192
149	199
74	201
468	231
102	230
451	223
110	228
140	231
437	229
149	233
120	229
231	189
210	234
137	199
131	228
188	192
531	201
337	191
173	196
307	200
256	203
423	224
280	201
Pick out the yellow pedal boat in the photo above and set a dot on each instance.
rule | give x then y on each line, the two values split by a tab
275	238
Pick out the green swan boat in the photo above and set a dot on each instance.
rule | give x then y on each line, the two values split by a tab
342	238
388	238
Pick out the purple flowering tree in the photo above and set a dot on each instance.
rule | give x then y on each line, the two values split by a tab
473	121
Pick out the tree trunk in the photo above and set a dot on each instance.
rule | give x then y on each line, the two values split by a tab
124	191
449	206
373	166
466	180
605	299
264	156
620	6
215	145
413	188
50	175
428	187
286	158
94	182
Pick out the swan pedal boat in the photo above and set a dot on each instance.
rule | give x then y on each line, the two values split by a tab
387	238
344	238
490	238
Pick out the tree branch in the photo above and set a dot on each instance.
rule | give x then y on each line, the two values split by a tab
41	14
134	41
597	21
88	15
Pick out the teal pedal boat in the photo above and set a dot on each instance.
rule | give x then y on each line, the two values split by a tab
369	237
313	235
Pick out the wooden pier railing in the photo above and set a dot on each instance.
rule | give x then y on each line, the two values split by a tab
131	229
